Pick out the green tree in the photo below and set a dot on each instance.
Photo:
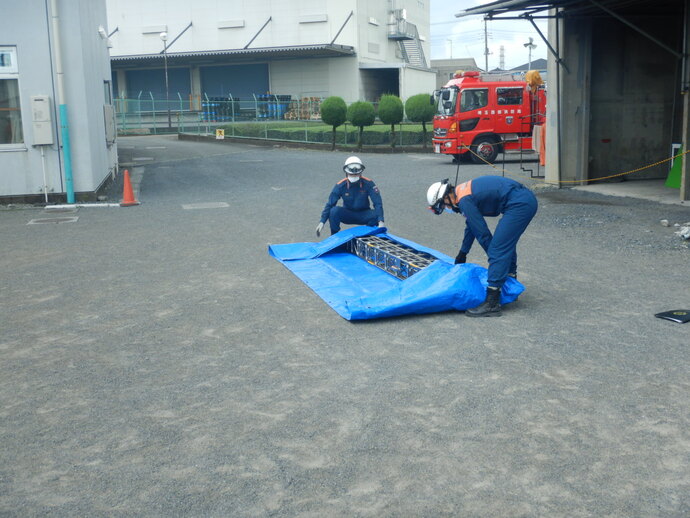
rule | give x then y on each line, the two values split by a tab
419	108
360	114
391	112
333	113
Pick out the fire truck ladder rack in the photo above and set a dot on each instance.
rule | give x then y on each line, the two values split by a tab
392	257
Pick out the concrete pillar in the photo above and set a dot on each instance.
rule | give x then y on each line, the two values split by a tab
121	82
574	106
552	175
685	171
195	80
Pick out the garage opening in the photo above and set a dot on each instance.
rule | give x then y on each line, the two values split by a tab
379	81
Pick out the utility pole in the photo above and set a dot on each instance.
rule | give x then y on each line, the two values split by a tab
502	58
164	39
530	45
486	48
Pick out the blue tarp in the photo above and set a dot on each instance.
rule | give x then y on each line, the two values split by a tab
357	290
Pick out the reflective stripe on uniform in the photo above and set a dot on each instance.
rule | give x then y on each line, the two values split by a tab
462	190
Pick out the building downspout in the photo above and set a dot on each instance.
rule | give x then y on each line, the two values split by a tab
62	103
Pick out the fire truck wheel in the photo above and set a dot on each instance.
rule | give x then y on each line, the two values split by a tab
486	148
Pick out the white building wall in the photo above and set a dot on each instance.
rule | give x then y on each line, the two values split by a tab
23	26
413	82
361	24
303	78
226	25
87	68
373	19
340	70
316	78
26	25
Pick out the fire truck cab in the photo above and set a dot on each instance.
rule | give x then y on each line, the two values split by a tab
480	116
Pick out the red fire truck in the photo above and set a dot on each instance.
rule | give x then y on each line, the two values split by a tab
488	114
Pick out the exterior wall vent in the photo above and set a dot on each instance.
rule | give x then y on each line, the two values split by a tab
313	18
231	24
154	29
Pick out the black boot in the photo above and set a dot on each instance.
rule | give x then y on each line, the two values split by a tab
491	307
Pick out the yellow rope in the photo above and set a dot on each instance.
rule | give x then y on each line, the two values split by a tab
580	181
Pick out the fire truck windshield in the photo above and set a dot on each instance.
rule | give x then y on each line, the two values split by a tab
446	101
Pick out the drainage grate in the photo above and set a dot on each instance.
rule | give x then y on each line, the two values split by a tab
64	219
207	205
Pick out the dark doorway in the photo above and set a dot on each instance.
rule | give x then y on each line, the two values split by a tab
379	81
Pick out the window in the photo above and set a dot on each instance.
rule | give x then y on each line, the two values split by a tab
10	110
509	96
446	101
8	60
107	93
10	113
474	99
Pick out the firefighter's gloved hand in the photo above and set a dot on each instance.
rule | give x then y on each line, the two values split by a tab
461	258
319	228
382	224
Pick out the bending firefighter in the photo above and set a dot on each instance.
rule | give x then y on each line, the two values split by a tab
355	190
475	199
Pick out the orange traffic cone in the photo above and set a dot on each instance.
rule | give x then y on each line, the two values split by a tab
127	193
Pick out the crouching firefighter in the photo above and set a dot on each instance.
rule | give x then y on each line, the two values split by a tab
475	199
355	191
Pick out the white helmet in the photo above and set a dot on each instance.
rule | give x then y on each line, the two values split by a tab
353	165
435	194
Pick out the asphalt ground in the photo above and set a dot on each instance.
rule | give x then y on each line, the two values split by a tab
156	361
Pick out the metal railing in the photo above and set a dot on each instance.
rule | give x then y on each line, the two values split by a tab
147	113
268	117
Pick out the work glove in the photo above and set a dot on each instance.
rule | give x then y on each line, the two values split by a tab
382	224
461	258
319	228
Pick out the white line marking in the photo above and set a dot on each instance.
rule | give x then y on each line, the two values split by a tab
207	205
65	219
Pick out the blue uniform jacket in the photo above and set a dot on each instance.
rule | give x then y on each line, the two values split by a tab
355	197
489	197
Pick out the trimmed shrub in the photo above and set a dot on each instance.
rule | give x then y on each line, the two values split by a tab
420	109
333	113
361	114
391	112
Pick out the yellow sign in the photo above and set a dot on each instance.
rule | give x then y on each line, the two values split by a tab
220	134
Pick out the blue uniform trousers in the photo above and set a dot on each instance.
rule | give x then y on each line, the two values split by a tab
339	215
519	211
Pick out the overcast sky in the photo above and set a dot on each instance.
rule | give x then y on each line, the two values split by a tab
465	36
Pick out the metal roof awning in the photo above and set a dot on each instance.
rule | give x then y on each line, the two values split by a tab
505	6
381	66
622	10
501	8
325	50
